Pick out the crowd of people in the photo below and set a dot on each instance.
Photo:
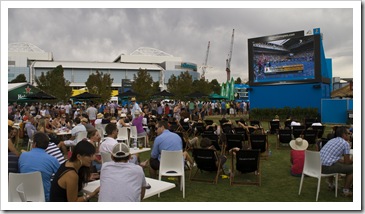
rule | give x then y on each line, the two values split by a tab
65	171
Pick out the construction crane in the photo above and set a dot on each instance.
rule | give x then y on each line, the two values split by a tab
228	61
204	67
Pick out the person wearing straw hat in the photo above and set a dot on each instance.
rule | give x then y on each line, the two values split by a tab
135	107
297	155
120	180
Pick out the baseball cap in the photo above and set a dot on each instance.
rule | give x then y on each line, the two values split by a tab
120	150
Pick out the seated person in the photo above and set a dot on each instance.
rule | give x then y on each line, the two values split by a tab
121	181
297	155
276	118
335	158
205	143
122	121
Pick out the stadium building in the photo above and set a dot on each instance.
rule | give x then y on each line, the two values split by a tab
28	59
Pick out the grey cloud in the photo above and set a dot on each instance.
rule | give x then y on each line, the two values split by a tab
103	34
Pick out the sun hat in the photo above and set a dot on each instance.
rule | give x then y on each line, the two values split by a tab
123	115
84	120
299	144
99	116
137	112
120	150
113	120
133	99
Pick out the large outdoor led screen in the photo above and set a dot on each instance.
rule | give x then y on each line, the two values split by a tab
284	59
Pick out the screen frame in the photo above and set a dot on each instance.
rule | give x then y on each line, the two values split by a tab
317	58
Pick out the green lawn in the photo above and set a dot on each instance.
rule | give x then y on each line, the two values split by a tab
277	185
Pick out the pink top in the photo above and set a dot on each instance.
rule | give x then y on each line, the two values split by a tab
297	158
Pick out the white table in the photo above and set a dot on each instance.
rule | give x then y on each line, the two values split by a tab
62	132
136	151
157	187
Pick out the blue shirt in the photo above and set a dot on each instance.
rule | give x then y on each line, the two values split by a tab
334	150
38	160
166	141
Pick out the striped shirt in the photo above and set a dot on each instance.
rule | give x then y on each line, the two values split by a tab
54	151
334	150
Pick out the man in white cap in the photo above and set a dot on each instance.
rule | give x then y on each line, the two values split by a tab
121	181
297	155
135	107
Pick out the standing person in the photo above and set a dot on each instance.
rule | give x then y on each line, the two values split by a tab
38	160
73	174
297	156
332	162
165	140
92	112
135	106
121	181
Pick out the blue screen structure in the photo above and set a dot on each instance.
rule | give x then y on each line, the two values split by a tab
284	61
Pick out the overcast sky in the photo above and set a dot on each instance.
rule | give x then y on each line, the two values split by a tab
103	34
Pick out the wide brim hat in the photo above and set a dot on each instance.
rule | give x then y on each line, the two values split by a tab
84	120
99	116
299	144
120	150
137	112
133	99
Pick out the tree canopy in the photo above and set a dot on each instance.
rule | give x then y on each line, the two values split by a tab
19	78
54	83
143	85
100	84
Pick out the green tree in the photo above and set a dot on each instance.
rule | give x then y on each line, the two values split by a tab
143	85
181	85
202	86
100	84
216	88
54	83
19	78
238	81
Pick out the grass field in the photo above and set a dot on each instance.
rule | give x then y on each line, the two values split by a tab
277	185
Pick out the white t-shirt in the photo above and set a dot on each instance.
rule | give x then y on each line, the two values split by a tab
121	182
107	144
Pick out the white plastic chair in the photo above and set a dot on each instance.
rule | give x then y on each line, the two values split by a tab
32	187
313	168
123	135
172	164
105	157
134	135
21	193
101	132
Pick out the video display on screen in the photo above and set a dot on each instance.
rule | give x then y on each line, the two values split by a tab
284	59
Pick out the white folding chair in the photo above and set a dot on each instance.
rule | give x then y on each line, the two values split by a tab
105	157
172	164
123	135
313	168
134	135
32	187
